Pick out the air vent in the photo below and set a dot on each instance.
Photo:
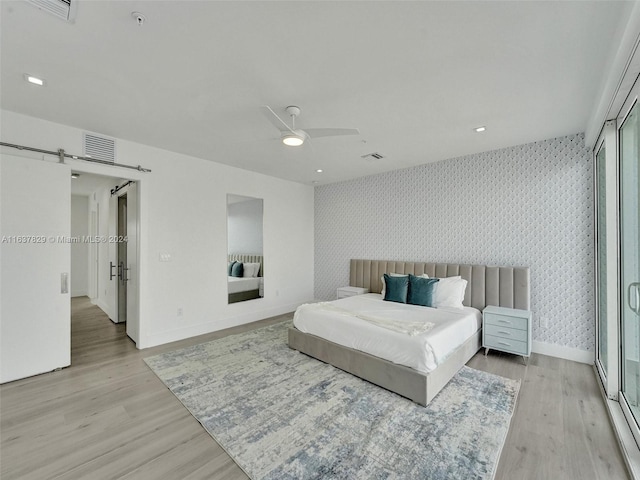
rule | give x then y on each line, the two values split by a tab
373	156
65	9
100	148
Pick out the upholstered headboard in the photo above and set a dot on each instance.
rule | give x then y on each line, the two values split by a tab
500	286
248	259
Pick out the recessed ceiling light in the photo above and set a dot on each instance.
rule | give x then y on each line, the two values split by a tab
75	175
319	170
480	129
34	80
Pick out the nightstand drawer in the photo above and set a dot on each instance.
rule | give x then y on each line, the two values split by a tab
506	321
505	332
505	344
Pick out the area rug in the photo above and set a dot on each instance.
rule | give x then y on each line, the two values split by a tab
283	415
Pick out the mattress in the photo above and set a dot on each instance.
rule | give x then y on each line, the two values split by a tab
243	284
422	352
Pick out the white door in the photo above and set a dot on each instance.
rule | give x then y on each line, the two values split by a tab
133	326
35	317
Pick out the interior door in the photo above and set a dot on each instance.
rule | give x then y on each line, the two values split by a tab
35	317
132	277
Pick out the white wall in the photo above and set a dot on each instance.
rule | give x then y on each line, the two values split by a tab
183	204
79	250
528	205
244	225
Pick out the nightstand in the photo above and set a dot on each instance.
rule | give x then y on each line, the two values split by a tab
344	292
507	330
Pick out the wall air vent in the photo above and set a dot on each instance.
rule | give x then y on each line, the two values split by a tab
100	148
65	9
373	156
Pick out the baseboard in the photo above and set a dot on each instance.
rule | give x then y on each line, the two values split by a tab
568	353
208	327
82	293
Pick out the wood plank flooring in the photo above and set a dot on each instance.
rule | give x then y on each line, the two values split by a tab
109	417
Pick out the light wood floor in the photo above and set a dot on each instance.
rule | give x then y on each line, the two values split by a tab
108	416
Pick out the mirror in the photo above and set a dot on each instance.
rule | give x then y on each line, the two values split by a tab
245	265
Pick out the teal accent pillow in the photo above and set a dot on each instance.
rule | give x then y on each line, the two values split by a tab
237	270
397	288
421	290
230	267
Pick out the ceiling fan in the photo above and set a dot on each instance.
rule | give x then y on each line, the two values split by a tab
293	137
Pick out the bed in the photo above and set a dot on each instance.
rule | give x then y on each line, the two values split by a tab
244	288
416	367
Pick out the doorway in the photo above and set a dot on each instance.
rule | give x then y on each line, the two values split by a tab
113	253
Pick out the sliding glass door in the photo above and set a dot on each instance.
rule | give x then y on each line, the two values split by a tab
601	256
629	232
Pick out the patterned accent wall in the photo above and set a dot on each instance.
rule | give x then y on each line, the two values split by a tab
530	205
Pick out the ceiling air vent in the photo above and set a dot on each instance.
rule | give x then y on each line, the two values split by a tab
373	156
65	9
100	148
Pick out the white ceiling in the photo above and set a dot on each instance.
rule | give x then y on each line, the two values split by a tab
414	77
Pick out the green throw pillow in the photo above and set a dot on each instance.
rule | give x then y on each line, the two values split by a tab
397	288
230	267
237	270
421	290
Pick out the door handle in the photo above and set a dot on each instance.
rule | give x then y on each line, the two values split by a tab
120	267
111	274
636	287
125	277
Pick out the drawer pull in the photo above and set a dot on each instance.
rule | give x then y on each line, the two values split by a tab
504	332
505	344
504	321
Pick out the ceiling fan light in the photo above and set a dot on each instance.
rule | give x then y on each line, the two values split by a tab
292	140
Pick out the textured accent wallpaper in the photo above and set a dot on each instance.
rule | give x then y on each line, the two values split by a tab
530	205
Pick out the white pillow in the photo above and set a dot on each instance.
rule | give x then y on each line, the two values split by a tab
247	270
449	292
256	272
384	284
251	269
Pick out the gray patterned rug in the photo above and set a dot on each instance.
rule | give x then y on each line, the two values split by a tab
282	415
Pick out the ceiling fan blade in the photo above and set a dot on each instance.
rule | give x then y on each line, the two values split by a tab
275	119
330	132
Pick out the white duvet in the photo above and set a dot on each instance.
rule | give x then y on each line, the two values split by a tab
243	284
448	328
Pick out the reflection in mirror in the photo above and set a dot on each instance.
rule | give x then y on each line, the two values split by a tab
245	265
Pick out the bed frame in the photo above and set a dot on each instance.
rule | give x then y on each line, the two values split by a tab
500	286
247	294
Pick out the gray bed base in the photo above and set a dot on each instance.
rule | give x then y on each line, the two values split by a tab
501	286
242	296
405	381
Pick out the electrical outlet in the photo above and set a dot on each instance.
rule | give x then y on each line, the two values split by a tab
544	322
180	311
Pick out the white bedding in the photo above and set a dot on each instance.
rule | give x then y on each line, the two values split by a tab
422	352
243	284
